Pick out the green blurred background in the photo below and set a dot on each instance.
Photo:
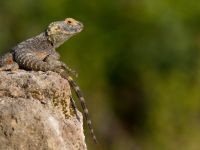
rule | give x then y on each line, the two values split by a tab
138	63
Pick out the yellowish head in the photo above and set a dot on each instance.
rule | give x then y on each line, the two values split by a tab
59	31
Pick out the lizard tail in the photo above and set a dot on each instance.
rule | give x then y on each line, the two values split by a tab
83	105
82	101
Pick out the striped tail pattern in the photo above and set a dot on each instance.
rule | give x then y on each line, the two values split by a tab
79	94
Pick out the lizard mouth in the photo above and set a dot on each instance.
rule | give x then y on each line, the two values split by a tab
73	29
79	27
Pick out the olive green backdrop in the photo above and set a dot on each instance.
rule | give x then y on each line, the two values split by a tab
138	63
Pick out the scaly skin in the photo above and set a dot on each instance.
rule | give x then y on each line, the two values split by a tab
38	53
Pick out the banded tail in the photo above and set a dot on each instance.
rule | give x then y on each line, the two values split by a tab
81	99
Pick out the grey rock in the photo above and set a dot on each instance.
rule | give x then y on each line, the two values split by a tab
36	113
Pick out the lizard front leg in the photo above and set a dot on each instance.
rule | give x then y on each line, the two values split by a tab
29	60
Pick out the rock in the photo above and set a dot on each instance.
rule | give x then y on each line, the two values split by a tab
36	113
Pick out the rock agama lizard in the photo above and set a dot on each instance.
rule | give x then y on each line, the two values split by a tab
39	54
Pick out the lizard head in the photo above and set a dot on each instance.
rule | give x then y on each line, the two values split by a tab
60	31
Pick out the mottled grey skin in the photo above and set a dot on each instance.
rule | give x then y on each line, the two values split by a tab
38	53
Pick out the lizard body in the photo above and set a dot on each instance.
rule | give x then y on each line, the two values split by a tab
39	54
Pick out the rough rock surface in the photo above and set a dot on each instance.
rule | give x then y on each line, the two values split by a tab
31	113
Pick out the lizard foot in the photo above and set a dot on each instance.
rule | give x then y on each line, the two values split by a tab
12	67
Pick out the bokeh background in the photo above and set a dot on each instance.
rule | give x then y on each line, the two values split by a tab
138	63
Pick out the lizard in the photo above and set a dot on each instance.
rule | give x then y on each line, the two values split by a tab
39	54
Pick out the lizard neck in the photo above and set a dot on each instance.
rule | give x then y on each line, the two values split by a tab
40	42
56	40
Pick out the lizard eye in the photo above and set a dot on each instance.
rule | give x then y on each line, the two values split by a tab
69	22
